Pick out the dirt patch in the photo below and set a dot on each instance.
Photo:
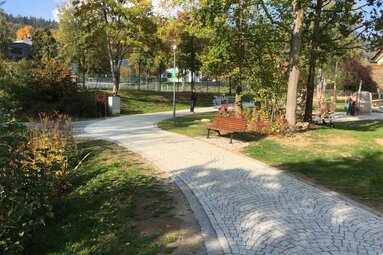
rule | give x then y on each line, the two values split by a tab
169	214
302	141
296	141
339	141
224	142
379	141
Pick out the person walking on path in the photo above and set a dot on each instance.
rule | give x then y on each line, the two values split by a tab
193	99
349	109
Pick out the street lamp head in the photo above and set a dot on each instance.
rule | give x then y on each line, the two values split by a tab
175	45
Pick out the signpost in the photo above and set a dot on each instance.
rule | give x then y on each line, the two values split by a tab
101	98
174	76
125	62
74	67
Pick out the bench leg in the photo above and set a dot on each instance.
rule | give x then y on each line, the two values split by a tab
208	133
219	133
231	138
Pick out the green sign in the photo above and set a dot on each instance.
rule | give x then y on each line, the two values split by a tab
173	79
174	73
74	68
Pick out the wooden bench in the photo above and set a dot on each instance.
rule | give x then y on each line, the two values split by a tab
230	124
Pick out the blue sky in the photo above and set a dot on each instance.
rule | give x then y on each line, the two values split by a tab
37	8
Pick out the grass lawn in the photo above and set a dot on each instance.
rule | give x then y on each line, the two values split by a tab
189	125
138	102
348	158
115	206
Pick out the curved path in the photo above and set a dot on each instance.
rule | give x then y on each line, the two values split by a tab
253	208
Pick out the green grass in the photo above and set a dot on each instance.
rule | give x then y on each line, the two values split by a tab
138	102
112	197
190	125
348	158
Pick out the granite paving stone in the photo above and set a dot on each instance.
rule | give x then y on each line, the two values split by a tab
253	208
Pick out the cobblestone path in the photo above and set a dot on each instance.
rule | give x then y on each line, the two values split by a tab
253	208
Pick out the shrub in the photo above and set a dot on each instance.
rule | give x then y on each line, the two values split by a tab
261	123
54	149
32	89
24	191
34	169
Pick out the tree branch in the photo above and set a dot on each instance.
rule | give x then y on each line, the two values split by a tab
272	20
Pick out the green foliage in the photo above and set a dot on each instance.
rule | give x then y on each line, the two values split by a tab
78	44
45	48
261	123
34	170
347	158
31	89
107	210
4	33
124	24
24	192
53	147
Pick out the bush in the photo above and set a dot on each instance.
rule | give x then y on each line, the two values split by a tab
34	171
53	147
32	89
24	191
261	123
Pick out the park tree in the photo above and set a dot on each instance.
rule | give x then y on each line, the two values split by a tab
289	16
356	72
190	44
239	49
45	47
4	33
80	45
26	32
335	27
231	23
228	27
125	25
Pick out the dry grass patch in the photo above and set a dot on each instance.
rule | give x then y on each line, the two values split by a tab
379	141
299	141
317	143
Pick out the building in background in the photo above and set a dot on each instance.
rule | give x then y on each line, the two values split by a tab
20	49
377	68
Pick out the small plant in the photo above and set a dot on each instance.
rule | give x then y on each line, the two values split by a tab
53	145
261	123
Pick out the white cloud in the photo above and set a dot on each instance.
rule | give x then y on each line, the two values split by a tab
55	15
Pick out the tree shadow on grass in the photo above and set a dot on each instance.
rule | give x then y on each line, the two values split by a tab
100	211
371	125
360	178
131	112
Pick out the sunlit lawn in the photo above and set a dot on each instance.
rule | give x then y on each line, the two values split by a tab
348	158
107	209
138	102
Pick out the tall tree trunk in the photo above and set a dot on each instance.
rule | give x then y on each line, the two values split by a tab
83	69
315	41
160	71
183	80
335	79
192	79
139	75
295	47
116	80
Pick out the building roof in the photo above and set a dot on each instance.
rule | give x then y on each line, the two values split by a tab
27	41
378	58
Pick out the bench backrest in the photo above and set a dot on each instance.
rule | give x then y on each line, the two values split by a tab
232	122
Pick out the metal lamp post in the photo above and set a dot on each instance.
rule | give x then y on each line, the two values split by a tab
174	83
